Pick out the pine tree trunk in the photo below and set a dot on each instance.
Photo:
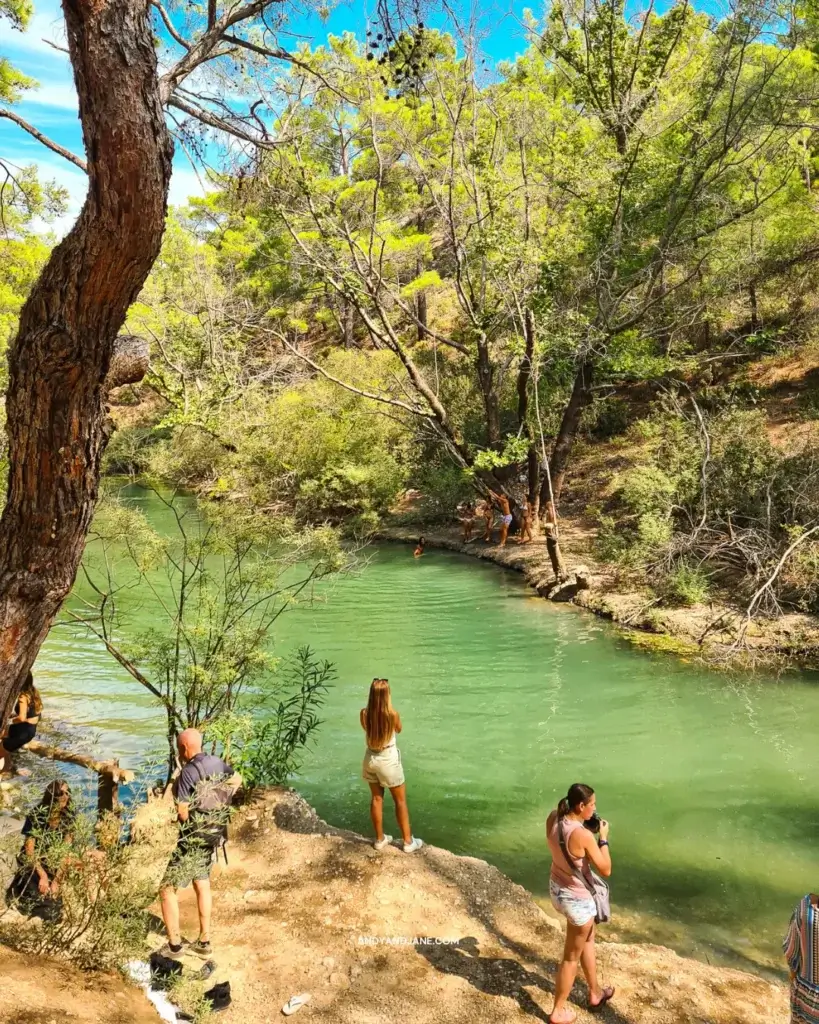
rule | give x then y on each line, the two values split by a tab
569	425
58	362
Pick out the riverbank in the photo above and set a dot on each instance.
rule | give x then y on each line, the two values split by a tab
716	632
385	938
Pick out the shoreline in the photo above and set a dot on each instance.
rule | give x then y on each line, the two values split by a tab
304	906
708	632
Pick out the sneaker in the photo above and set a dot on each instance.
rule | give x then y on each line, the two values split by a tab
173	952
411	847
201	949
382	844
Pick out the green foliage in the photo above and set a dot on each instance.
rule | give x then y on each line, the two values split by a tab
104	894
269	749
685	584
219	583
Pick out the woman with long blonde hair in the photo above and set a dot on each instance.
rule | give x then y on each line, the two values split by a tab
382	765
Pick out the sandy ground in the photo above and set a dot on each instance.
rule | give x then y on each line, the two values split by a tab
305	907
385	938
48	992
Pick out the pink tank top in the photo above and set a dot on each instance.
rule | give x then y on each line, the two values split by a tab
562	873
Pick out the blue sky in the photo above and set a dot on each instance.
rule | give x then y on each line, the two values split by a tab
53	106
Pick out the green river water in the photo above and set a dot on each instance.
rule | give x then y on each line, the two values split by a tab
710	780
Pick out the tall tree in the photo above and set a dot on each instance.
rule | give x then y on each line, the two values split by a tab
62	353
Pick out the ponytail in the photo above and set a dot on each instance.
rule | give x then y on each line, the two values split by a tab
578	794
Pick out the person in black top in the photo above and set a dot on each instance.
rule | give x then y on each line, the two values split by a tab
203	792
23	724
48	830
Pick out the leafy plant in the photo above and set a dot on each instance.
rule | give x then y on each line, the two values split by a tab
271	750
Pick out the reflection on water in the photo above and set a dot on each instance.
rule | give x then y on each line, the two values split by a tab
709	780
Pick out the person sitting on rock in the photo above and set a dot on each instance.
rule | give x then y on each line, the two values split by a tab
203	792
382	765
48	835
23	724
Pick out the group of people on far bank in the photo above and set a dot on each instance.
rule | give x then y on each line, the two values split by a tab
497	510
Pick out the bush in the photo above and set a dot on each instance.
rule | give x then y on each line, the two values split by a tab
443	488
269	752
105	896
685	585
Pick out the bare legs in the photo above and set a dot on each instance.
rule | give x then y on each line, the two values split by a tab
504	533
204	904
170	910
377	810
399	796
170	914
579	948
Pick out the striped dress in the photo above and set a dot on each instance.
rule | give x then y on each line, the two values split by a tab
801	948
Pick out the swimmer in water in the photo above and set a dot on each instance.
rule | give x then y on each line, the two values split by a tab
420	549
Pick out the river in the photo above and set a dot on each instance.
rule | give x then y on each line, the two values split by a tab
710	780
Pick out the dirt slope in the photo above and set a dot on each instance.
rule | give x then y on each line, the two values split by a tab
48	992
306	907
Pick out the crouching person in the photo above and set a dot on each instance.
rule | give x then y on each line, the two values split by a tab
48	836
203	792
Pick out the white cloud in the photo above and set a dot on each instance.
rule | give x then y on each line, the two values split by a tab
186	183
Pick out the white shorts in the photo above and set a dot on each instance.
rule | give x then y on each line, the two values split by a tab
578	910
383	767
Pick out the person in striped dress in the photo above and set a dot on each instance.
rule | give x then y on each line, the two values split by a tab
801	948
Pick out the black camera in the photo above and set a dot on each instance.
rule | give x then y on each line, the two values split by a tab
593	823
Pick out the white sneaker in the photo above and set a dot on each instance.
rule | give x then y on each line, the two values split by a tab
382	844
416	844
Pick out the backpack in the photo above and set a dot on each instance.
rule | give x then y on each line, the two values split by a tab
210	809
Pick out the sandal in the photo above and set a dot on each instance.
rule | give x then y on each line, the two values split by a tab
608	993
295	1003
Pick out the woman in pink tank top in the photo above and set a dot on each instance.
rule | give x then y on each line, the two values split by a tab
571	897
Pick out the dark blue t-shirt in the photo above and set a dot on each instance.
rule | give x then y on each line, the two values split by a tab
202	768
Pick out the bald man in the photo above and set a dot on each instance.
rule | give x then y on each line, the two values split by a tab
203	792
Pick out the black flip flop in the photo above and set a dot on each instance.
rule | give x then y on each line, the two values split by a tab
608	993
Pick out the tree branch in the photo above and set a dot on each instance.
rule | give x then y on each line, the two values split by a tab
55	147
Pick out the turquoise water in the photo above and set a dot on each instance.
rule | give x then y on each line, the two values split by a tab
710	780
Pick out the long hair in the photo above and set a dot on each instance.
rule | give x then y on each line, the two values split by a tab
51	797
380	715
578	794
32	695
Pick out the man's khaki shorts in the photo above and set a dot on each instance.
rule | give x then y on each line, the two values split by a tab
384	767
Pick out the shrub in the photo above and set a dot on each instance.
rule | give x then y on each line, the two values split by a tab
104	919
685	584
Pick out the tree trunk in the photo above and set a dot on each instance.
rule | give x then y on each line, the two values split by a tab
578	400
554	552
486	380
59	360
348	313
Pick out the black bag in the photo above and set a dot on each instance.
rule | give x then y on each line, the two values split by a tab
598	889
219	996
163	970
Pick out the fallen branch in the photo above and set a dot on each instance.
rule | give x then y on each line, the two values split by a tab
118	775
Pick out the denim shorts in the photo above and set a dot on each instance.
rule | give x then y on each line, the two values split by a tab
578	910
